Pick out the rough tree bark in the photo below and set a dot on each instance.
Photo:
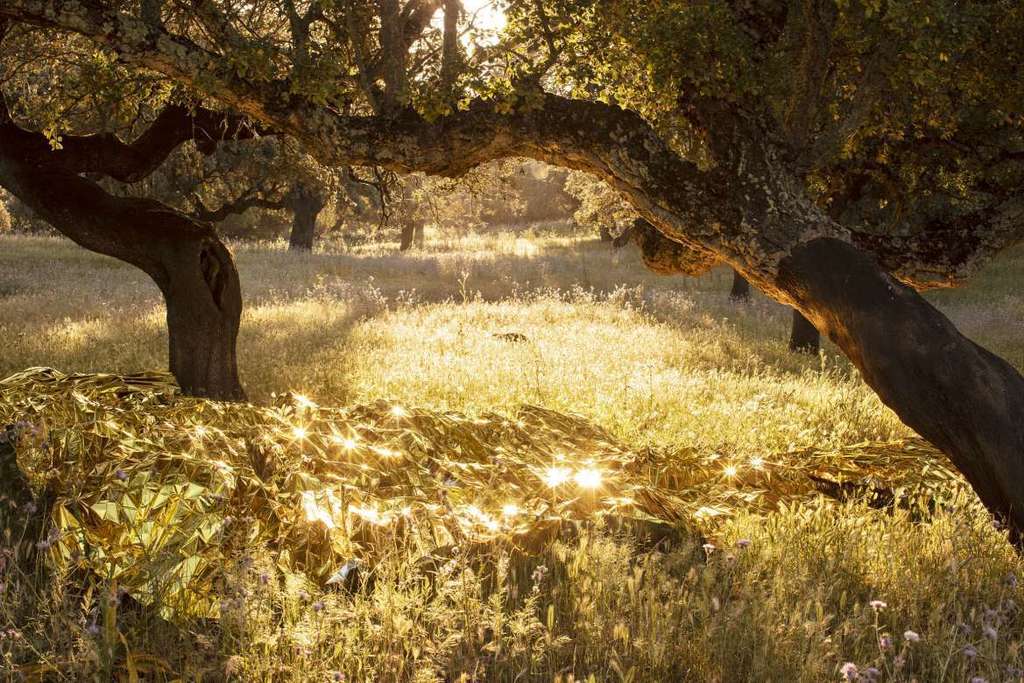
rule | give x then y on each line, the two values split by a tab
306	204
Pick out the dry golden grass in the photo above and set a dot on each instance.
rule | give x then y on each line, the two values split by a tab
660	362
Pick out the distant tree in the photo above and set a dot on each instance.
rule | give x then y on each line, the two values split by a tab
740	291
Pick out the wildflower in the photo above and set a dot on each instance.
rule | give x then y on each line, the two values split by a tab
338	676
264	578
121	474
978	679
849	671
877	605
539	573
93	629
709	548
989	632
872	672
743	543
970	651
318	606
911	636
885	641
1011	580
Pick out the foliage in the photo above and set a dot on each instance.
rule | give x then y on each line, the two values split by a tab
598	203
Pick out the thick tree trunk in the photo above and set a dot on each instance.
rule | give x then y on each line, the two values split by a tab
306	205
962	398
204	305
740	291
184	257
803	337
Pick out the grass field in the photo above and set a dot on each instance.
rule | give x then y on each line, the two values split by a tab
659	362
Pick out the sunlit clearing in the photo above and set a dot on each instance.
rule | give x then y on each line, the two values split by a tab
299	432
201	431
509	510
757	462
730	471
399	411
588	478
525	248
556	476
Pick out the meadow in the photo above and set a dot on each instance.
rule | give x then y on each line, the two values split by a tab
816	590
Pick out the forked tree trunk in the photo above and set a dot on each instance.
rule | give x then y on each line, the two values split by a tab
740	291
184	257
306	205
803	336
962	398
